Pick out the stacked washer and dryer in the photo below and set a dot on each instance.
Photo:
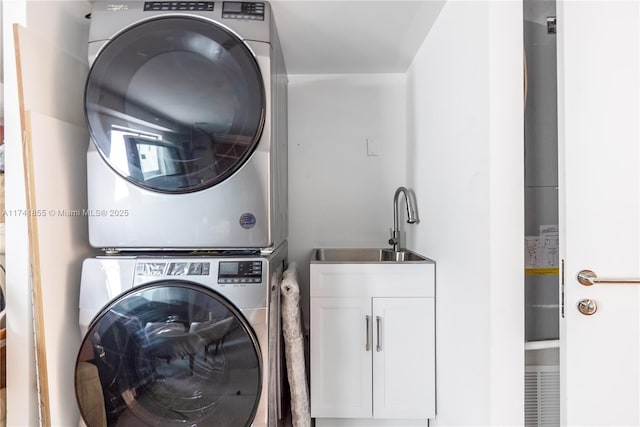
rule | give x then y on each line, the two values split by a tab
187	197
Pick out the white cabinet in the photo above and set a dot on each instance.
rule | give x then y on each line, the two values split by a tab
403	358
372	342
340	367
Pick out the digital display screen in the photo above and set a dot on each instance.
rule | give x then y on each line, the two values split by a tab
232	6
228	268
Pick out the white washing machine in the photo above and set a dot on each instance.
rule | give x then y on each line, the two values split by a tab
186	106
181	341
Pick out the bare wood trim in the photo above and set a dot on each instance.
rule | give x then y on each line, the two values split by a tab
34	249
16	43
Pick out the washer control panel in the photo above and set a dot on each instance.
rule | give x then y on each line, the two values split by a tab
240	272
243	10
157	268
154	6
229	273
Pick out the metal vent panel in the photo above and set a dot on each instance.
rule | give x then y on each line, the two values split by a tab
542	396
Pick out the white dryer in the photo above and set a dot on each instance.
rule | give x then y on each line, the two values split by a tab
186	108
181	341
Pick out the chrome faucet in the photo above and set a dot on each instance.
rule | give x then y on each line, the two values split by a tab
412	215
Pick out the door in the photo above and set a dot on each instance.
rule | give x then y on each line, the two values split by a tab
341	357
403	358
599	72
171	354
175	104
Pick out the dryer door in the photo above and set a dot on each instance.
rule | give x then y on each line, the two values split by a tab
169	353
175	104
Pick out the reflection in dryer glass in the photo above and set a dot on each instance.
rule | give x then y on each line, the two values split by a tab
175	104
169	355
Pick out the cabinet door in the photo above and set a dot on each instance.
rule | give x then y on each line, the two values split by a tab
403	358
340	363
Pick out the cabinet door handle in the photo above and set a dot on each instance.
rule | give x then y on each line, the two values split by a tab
367	345
379	333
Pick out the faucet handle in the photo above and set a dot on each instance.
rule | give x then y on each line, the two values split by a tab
393	238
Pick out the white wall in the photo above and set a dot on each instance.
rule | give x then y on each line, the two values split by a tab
62	24
338	195
22	399
465	160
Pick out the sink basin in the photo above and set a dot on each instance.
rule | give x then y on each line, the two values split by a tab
364	255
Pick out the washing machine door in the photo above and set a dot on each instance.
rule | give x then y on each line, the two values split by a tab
170	353
175	104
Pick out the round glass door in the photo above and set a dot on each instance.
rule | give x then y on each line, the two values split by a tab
169	354
175	104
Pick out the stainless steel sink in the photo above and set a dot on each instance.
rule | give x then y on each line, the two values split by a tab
364	255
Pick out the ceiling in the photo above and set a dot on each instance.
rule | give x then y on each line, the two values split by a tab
346	36
351	36
357	36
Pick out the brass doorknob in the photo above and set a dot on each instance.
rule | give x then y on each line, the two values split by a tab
587	306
